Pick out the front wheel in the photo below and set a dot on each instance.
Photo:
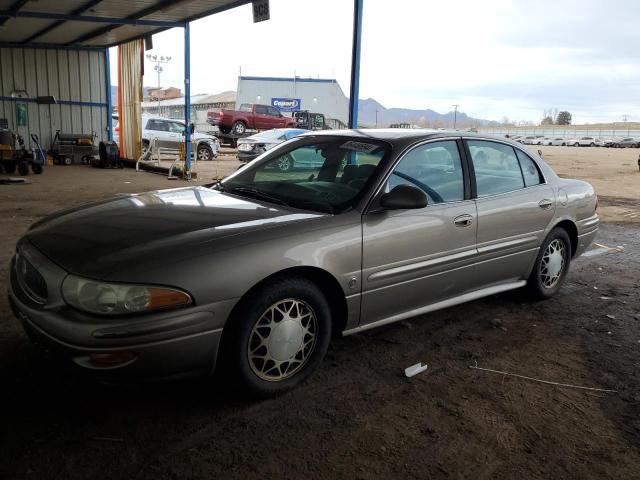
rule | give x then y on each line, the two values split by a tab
285	163
277	338
551	265
576	144
205	153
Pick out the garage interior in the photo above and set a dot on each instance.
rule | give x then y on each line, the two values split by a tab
358	417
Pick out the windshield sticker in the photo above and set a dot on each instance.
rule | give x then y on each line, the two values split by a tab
359	146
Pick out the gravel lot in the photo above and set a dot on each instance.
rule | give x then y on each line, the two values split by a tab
359	417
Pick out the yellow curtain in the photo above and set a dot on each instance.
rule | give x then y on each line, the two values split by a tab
130	96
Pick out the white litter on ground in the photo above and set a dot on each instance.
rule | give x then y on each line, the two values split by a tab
415	369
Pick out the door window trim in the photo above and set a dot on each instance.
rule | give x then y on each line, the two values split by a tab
472	171
463	163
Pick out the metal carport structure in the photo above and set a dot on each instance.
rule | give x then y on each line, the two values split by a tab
93	26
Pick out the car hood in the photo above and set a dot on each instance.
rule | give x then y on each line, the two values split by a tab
101	238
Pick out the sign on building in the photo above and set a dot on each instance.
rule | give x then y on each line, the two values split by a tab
286	104
260	10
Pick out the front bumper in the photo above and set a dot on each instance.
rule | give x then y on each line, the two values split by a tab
159	345
248	156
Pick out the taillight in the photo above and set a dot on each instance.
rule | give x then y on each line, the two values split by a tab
596	202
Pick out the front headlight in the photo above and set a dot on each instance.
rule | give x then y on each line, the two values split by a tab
118	299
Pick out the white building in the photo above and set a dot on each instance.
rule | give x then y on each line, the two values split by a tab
290	94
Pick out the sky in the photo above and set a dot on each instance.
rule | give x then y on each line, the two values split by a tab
494	58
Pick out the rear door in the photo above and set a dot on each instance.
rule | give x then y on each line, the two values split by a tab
514	204
412	258
275	118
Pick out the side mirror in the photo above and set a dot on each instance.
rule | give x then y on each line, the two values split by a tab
404	197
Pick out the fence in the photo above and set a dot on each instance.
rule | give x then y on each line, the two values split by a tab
564	132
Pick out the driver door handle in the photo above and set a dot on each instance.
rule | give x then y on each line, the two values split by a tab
463	221
545	204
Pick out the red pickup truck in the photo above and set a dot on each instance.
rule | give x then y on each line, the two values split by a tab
250	116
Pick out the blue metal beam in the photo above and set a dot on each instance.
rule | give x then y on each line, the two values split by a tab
135	16
13	9
89	18
354	90
187	99
50	46
107	73
58	102
81	9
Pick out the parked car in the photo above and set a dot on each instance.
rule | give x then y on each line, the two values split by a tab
545	141
249	117
252	147
583	142
609	142
171	134
557	141
532	140
628	142
255	273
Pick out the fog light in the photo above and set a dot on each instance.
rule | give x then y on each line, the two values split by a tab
111	359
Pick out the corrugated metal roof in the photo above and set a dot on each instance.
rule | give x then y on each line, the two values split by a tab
20	21
202	99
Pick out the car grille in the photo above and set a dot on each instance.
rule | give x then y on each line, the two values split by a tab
30	280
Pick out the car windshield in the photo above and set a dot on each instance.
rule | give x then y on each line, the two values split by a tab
327	176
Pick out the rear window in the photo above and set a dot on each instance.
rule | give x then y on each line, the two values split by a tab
246	107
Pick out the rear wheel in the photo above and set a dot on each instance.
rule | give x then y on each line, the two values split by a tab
277	338
239	128
551	265
23	168
576	144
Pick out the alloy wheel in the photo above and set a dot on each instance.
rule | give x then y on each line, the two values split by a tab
552	264
284	163
282	340
204	154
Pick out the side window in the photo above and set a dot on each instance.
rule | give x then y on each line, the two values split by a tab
435	168
261	110
155	125
530	171
246	107
496	166
274	112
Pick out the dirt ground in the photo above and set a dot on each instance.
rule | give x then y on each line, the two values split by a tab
359	417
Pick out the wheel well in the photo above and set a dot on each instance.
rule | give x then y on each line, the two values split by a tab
327	284
572	230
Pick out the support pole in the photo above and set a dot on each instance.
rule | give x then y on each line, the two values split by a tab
187	100
355	64
107	70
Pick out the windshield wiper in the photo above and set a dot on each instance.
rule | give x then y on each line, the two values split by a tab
254	192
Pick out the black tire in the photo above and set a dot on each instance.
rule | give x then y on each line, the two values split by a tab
592	144
205	153
36	168
239	335
145	146
536	284
66	160
576	144
23	168
239	128
9	168
224	130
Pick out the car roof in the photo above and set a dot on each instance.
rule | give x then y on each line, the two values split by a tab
405	135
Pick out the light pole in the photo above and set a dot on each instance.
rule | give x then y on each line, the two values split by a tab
376	118
455	115
158	60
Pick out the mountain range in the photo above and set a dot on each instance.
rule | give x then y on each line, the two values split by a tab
367	116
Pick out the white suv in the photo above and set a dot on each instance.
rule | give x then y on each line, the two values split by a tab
171	132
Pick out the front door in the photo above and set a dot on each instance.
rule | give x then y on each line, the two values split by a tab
412	258
514	205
